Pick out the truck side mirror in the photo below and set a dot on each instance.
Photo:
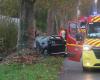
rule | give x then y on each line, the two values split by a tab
79	37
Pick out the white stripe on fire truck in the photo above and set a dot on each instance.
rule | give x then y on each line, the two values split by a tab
75	45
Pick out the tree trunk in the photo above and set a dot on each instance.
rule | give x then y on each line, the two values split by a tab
52	22
56	26
49	22
27	24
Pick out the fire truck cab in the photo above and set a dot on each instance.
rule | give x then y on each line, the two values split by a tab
91	46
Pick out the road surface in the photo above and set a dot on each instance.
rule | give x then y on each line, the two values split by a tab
73	71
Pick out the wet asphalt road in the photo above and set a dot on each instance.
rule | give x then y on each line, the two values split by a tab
73	71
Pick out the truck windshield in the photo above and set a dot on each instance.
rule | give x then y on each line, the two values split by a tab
94	30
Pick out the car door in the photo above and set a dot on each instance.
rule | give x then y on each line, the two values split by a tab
57	45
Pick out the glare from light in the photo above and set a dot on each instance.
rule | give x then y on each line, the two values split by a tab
88	77
86	47
96	1
95	13
88	64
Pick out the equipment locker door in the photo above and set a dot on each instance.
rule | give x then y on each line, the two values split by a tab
73	47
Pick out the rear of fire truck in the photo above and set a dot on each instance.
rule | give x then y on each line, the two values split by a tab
73	47
91	47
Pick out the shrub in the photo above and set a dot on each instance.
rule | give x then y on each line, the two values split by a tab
8	33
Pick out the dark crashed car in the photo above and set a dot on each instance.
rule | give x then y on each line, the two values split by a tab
52	45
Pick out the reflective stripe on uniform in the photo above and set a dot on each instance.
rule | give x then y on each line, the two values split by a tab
74	45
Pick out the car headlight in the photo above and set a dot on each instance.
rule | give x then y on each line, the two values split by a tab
86	47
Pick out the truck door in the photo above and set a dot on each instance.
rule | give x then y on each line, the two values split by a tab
73	47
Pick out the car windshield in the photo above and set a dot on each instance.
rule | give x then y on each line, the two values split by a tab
94	30
57	39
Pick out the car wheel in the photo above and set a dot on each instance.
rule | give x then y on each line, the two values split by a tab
65	55
45	53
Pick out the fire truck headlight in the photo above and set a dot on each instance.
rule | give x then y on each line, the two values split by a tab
86	47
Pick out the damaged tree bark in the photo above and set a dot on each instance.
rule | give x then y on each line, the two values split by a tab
26	31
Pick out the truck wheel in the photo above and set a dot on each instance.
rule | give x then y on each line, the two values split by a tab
84	69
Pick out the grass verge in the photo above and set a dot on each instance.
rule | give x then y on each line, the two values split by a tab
48	69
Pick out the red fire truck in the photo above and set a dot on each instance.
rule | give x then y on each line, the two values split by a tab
89	47
73	44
